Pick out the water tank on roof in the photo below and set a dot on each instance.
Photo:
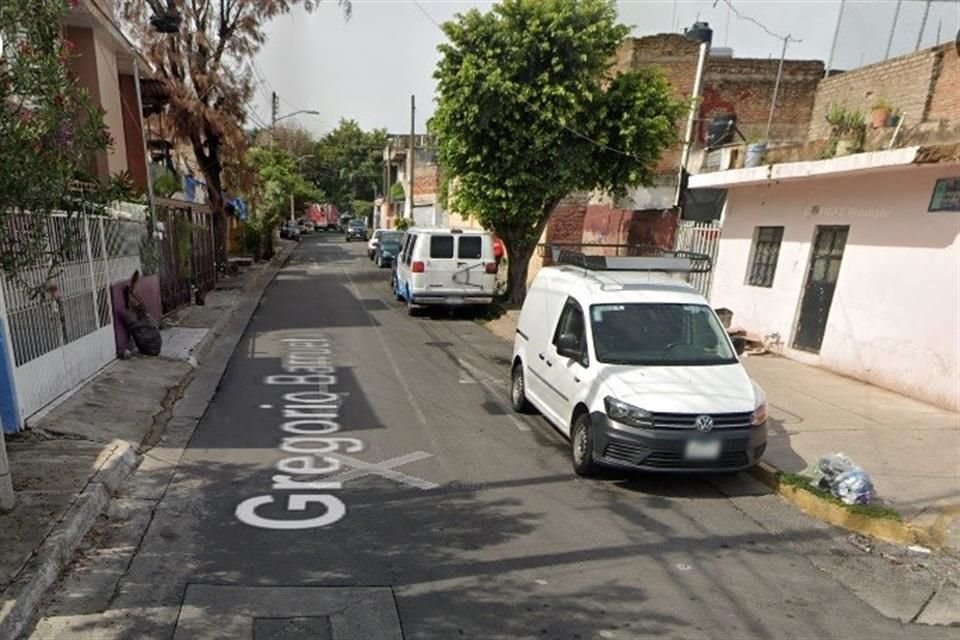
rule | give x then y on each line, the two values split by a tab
699	32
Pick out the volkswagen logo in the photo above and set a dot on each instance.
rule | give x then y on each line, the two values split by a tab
703	424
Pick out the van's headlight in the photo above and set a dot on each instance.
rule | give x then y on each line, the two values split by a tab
627	413
759	417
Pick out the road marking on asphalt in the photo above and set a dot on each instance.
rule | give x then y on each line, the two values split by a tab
266	406
385	469
488	383
386	350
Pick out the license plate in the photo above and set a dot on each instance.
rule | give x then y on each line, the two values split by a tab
703	450
454	300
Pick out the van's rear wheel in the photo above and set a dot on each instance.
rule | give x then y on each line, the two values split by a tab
412	309
518	390
581	446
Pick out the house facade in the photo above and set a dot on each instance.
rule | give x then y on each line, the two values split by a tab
852	262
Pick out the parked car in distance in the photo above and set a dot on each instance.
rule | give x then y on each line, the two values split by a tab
374	240
388	248
356	229
447	267
636	369
290	230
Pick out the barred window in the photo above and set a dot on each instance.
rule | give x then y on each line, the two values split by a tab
766	250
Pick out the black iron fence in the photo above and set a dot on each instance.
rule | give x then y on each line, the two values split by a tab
186	252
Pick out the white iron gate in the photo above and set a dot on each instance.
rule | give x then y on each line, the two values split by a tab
699	237
61	332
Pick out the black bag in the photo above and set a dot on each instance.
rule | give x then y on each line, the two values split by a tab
144	331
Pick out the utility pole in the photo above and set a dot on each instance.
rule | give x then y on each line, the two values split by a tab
410	152
274	109
893	28
836	35
776	88
292	210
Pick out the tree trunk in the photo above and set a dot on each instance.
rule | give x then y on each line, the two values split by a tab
519	251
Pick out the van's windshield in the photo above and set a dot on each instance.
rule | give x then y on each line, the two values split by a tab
659	335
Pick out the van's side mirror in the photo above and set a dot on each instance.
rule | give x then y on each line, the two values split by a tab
739	344
568	346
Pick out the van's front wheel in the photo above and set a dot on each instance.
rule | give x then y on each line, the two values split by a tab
518	390
581	446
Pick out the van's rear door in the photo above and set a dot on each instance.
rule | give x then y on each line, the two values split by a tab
455	265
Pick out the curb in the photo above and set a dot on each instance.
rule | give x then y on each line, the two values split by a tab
117	462
23	596
932	536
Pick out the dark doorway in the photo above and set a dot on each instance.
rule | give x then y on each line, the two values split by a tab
822	277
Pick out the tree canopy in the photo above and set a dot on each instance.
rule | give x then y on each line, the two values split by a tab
50	135
529	111
204	68
347	164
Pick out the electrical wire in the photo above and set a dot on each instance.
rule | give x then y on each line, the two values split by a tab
746	18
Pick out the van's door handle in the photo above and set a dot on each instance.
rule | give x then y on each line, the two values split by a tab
542	357
576	379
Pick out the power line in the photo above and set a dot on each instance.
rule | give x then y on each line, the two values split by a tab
424	12
741	16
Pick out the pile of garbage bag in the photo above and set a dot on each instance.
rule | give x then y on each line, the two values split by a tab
838	474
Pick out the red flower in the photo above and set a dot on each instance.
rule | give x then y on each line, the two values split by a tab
73	3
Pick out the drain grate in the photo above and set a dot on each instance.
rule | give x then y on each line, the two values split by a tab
290	613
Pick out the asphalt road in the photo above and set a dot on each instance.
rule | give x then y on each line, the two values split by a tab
453	517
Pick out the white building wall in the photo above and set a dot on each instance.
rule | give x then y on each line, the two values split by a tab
895	317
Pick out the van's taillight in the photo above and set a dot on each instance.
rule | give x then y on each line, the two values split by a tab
490	267
418	267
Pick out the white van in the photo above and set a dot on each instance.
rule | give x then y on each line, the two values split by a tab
445	267
633	365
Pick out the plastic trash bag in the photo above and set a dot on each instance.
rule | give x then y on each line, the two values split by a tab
838	474
853	487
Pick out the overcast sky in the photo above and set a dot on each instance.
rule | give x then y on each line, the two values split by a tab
366	68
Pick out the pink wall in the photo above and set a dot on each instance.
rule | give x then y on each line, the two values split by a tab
896	310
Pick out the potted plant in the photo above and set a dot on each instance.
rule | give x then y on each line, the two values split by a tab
854	134
847	131
880	114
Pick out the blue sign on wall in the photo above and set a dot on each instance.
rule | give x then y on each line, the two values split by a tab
9	409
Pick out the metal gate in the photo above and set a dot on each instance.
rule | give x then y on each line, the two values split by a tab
186	253
60	330
699	237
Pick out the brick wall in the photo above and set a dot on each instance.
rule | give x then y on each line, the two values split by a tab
741	86
744	86
566	221
945	101
905	82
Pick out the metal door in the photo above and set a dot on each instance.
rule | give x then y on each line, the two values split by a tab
822	278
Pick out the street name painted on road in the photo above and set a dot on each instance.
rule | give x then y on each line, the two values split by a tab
313	416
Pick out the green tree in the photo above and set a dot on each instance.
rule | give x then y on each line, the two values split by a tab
204	67
278	178
347	164
50	132
529	111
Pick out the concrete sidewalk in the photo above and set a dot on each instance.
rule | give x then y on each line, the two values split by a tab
79	451
911	449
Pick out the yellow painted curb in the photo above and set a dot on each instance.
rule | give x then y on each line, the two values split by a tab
880	528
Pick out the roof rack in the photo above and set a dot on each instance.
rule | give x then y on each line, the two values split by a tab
644	258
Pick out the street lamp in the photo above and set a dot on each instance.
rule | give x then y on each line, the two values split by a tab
296	113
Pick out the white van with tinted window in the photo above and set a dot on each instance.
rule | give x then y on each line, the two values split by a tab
447	267
634	367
